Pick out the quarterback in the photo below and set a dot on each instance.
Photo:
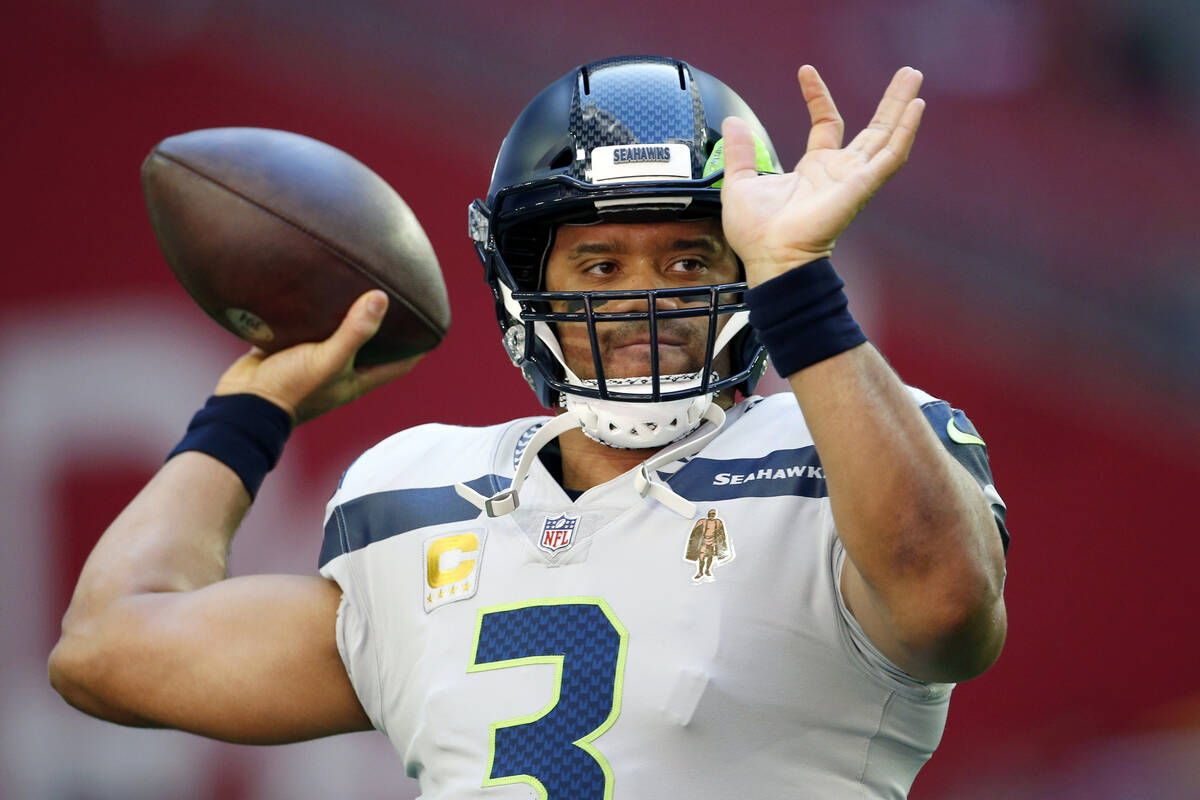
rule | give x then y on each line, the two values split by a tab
667	587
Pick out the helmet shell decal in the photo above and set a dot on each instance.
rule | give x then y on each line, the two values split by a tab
640	162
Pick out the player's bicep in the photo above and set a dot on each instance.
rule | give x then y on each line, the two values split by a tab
925	659
251	659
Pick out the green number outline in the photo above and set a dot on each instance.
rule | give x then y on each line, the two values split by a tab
584	743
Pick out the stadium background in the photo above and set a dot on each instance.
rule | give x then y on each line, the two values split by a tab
1035	263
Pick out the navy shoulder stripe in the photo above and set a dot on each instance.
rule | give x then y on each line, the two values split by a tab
381	515
960	438
782	473
968	448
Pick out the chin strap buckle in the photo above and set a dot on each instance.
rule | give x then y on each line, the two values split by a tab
645	486
502	503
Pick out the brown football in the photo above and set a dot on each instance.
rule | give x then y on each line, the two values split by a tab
275	234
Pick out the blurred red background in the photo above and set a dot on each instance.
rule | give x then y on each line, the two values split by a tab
1034	264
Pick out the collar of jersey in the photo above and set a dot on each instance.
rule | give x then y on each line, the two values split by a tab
537	436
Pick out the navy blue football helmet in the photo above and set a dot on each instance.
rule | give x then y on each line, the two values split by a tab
622	139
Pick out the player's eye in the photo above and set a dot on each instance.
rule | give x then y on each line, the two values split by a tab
687	266
601	268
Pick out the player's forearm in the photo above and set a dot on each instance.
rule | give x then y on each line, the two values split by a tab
913	522
174	536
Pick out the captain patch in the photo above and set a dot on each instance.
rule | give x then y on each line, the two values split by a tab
452	567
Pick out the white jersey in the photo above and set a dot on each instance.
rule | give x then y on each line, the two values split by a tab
610	647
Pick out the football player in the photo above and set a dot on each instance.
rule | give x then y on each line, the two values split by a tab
516	606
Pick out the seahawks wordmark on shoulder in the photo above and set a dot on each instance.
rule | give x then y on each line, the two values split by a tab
766	473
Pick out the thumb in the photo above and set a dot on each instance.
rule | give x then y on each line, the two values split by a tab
740	161
359	325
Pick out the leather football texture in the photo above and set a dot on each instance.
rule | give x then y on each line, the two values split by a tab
275	234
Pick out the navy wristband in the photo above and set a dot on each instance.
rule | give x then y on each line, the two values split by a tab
243	431
802	317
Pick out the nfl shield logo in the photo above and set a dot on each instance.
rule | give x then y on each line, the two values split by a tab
558	533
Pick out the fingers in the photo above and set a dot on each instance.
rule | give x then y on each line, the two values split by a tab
740	161
894	153
360	324
827	126
896	99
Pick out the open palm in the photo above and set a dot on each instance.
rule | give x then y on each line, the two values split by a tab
777	222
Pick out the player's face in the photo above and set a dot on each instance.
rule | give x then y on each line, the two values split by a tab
624	256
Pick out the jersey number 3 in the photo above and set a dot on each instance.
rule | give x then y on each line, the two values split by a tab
552	749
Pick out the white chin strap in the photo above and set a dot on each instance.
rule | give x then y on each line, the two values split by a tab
633	425
506	500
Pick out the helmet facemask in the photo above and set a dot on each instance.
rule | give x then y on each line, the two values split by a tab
637	366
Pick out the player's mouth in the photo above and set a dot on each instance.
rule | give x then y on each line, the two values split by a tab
668	335
639	346
626	349
629	356
643	343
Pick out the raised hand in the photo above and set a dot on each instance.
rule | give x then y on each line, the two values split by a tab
309	379
778	222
